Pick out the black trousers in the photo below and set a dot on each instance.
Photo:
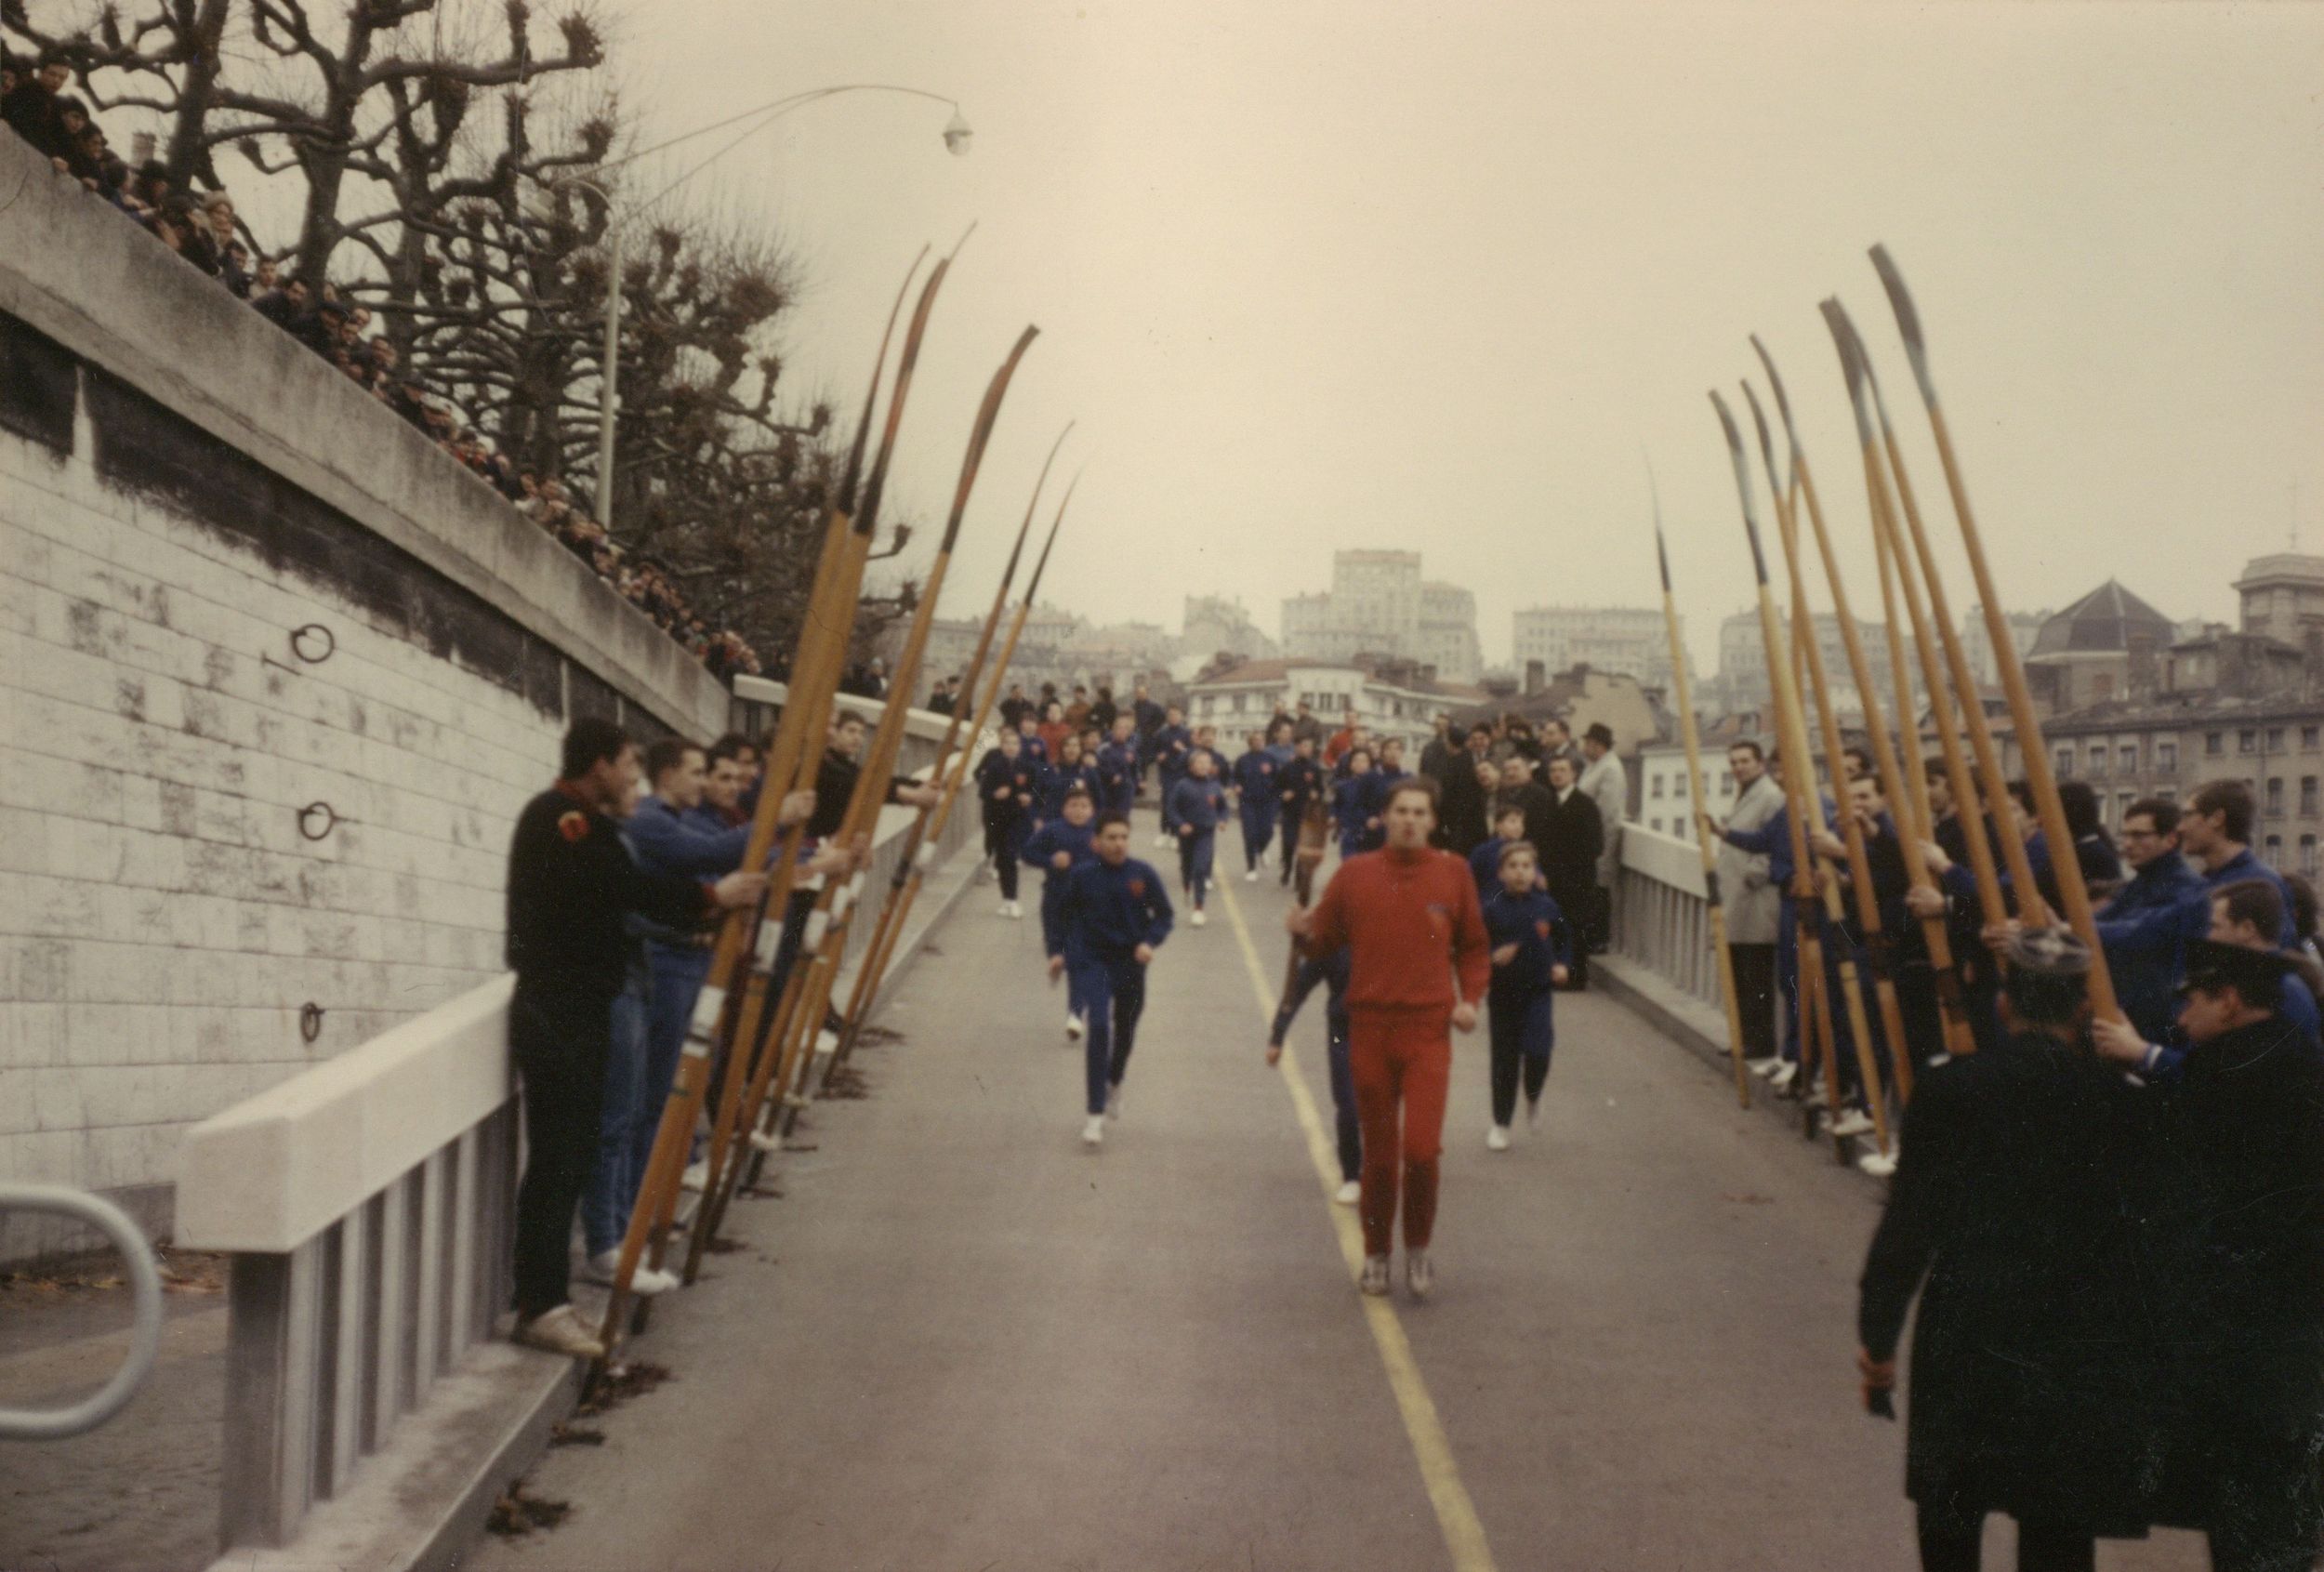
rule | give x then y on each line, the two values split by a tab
560	1043
1950	1545
1755	997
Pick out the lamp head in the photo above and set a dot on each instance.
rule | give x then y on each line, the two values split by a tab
957	135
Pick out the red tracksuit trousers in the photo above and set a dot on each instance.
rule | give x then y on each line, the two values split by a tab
1401	1065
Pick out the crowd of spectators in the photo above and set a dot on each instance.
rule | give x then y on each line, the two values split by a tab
200	228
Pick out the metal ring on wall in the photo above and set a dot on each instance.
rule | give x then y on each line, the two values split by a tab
309	1021
311	811
304	635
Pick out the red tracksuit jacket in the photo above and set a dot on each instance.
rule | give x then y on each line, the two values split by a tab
1412	921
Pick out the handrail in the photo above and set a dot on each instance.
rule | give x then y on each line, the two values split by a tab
145	1337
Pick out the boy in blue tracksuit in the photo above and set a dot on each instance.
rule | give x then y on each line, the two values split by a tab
1005	785
1351	803
1298	786
1332	971
1255	801
1071	771
1062	845
1197	804
1115	914
1508	828
1166	749
1117	768
1531	947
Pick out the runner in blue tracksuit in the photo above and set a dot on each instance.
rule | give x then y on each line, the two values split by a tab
1332	971
1070	771
1197	804
1508	828
1117	768
1387	770
1029	739
1255	801
1005	784
1352	805
1531	947
1299	785
1116	915
1059	846
1166	749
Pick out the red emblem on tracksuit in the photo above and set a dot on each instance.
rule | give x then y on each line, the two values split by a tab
1138	887
574	826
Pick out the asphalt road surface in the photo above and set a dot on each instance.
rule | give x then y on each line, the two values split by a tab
962	1341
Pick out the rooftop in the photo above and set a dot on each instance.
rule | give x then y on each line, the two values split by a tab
2104	620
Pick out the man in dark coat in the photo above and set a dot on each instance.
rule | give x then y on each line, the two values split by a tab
2238	1242
1566	831
1460	826
2010	1216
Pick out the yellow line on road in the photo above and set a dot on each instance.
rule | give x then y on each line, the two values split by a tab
1456	1515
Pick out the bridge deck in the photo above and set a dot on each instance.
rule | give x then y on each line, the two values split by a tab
964	1341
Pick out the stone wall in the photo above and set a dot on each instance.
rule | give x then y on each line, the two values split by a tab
229	848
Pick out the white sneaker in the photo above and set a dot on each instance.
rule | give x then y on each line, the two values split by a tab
1763	1067
1010	910
1073	1027
1782	1074
696	1177
645	1282
1374	1280
1348	1194
1114	1100
1497	1139
1879	1165
1420	1273
560	1331
762	1142
1093	1133
1251	875
1197	920
1853	1122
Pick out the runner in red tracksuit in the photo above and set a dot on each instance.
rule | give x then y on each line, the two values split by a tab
1408	915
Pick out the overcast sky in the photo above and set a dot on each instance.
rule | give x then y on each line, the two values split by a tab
1315	275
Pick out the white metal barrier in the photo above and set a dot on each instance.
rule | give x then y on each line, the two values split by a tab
1662	912
368	1205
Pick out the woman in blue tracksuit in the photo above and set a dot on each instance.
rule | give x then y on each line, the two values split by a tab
1531	947
1352	803
1197	804
1255	800
1063	844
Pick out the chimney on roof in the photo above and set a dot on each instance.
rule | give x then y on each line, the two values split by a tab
1536	677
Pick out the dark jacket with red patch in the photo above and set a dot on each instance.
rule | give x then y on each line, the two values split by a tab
1110	911
571	882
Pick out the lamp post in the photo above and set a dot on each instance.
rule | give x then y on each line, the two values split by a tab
956	136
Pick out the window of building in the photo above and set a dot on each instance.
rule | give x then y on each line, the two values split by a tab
2097	759
2167	756
2275	857
1658	824
1241	700
2247	740
2167	794
1657	788
2307	797
2275	794
2213	742
2129	756
2065	761
2122	800
2308	855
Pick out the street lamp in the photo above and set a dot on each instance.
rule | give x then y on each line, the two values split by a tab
956	137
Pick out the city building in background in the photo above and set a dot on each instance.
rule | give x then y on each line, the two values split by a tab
1623	639
1380	605
1392	698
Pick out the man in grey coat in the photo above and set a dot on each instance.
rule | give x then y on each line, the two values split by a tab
1753	906
1605	782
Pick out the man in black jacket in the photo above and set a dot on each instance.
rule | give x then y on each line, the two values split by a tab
2011	1217
2238	1243
570	884
1566	833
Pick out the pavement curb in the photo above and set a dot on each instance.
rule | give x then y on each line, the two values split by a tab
1702	1030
